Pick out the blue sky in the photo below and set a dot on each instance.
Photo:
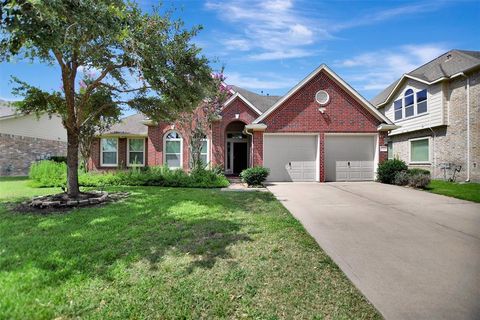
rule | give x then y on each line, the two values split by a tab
269	46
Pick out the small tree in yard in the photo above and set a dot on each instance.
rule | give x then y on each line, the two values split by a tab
197	124
144	61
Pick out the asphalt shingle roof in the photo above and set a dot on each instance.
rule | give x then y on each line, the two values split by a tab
130	125
261	102
446	65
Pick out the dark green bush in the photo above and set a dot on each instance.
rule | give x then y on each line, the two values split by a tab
58	159
255	176
47	173
388	169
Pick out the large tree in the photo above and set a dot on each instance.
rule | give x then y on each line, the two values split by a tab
145	61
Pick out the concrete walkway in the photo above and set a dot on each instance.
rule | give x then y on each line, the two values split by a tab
413	254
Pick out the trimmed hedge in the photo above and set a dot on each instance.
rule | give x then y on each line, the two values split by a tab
416	178
53	174
255	176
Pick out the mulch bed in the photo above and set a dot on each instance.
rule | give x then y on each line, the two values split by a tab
62	203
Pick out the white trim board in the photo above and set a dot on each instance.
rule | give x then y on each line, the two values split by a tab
248	103
340	81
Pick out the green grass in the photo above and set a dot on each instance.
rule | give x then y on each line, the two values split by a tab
465	191
168	253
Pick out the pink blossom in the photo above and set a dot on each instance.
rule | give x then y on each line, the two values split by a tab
83	85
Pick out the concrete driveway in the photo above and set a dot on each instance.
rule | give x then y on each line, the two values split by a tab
413	254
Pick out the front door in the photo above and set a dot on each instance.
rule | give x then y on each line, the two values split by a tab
240	158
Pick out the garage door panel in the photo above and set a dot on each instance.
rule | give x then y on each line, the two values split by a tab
349	158
291	158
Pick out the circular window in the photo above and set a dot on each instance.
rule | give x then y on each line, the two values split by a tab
322	97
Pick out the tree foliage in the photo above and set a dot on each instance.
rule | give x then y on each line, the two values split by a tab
145	61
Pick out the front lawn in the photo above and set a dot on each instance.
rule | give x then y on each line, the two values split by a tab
465	191
168	253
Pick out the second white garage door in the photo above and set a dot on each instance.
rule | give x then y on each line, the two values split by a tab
290	157
349	158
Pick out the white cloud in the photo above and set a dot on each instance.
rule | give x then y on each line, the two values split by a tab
374	71
270	29
278	29
263	82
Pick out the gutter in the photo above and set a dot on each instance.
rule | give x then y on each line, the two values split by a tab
387	127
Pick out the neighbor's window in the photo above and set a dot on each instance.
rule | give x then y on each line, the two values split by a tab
420	150
390	149
136	152
397	107
173	150
109	151
422	101
409	103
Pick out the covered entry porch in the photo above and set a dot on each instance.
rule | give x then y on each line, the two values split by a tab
237	148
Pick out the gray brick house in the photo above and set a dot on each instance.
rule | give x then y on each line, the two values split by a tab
437	110
25	139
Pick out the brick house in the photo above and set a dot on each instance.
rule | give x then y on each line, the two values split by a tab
26	138
437	110
321	130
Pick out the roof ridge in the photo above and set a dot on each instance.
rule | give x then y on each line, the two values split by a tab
463	53
445	53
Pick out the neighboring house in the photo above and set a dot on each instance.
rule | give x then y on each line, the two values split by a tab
437	109
321	130
25	139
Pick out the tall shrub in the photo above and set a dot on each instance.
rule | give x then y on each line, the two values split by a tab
388	169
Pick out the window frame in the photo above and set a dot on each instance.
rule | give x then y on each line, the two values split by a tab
165	148
429	161
207	153
128	152
402	99
101	152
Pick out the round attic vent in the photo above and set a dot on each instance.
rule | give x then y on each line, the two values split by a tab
322	97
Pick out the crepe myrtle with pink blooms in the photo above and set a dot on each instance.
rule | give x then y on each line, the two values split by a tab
121	42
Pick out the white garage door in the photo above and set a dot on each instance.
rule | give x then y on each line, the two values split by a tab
290	157
349	158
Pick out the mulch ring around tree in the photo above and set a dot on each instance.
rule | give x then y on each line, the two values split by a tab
62	202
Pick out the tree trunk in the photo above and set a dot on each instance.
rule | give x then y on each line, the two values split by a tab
73	189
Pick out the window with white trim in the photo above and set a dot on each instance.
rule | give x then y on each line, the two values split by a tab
204	152
172	150
136	152
412	104
409	103
420	150
422	101
109	152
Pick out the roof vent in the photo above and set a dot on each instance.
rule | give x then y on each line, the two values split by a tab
449	56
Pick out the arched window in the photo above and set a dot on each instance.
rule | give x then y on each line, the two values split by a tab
409	103
172	150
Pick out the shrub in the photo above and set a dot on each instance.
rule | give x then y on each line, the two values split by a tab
254	176
418	178
58	159
401	178
47	173
388	169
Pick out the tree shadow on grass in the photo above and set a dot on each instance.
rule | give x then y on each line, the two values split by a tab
149	225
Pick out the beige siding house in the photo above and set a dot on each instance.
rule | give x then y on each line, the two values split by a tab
436	108
25	139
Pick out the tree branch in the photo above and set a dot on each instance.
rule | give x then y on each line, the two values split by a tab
123	90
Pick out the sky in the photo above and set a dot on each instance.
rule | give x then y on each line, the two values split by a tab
269	46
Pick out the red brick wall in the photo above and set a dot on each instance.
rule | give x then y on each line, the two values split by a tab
246	115
300	114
